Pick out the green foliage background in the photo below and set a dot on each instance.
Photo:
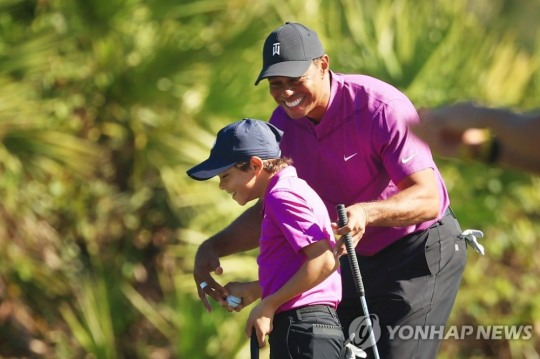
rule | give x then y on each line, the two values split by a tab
104	104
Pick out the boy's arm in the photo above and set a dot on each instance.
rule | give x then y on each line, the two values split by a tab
320	263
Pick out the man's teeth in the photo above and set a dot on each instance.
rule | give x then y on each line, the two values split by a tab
293	103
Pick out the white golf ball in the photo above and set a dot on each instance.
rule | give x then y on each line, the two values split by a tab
233	301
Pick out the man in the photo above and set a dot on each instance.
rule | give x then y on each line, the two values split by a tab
349	139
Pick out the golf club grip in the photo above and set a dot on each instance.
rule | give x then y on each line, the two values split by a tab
254	345
357	276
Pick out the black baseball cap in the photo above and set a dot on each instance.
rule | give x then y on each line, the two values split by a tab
289	50
238	142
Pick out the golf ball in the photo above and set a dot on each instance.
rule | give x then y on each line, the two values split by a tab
233	301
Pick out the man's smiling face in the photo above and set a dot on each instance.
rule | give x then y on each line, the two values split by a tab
304	96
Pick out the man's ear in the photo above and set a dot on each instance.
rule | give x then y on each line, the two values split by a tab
325	63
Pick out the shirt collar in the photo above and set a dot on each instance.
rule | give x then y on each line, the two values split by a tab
288	171
329	117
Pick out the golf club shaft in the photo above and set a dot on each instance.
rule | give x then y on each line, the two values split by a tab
254	345
357	277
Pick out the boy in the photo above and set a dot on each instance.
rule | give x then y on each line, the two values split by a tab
299	284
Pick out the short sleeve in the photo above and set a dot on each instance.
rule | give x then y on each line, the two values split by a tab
401	151
295	218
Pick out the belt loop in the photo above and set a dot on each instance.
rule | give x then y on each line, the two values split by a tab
299	314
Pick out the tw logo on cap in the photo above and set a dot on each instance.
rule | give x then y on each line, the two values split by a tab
275	49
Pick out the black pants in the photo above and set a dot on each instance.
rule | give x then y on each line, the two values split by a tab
308	332
413	282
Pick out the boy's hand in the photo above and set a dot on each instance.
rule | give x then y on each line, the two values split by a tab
260	319
248	291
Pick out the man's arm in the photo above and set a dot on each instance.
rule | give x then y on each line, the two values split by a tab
458	130
518	138
417	201
241	235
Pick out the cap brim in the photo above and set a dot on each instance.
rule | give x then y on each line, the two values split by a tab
208	169
285	68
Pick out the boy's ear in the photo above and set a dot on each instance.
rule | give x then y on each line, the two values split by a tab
256	162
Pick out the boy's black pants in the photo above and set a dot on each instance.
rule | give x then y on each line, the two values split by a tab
309	332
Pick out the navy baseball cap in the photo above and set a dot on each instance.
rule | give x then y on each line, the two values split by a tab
238	142
289	50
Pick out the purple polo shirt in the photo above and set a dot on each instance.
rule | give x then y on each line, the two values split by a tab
360	150
294	217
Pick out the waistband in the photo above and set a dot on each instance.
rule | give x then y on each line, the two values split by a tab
409	242
448	213
297	312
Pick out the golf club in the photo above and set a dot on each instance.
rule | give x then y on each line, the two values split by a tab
254	345
357	276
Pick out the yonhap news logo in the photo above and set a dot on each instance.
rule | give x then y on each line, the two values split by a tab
360	330
479	332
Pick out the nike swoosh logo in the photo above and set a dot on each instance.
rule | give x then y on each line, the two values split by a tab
407	159
346	158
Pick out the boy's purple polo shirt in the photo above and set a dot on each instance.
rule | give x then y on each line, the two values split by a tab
293	217
360	150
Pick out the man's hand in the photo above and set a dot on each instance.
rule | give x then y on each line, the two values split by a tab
241	235
207	261
356	225
453	131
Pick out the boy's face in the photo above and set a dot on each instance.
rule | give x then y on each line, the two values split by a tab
240	184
